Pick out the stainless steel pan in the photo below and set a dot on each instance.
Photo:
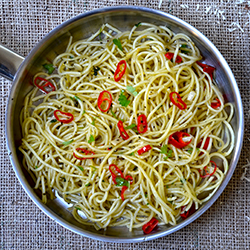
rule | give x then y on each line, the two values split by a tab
55	43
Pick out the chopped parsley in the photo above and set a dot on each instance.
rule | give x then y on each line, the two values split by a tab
100	34
184	51
159	107
131	89
167	186
133	153
113	113
147	204
123	99
53	120
122	182
96	69
190	150
77	98
91	139
165	150
88	184
138	24
81	168
130	126
65	143
146	195
117	42
94	169
77	208
49	67
83	112
36	167
93	122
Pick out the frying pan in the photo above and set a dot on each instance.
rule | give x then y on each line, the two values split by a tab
21	71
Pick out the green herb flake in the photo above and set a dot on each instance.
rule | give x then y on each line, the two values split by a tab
184	51
171	202
113	113
166	151
167	186
190	150
49	67
93	122
147	204
117	42
132	154
130	126
36	167
123	99
96	69
80	127
88	184
159	107
77	98
146	195
91	139
94	169
77	208
65	143
131	89
53	120
81	168
138	24
71	57
71	98
83	112
122	182
100	34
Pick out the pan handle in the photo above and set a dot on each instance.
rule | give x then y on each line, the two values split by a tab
9	62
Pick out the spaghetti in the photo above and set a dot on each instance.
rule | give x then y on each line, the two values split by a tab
131	129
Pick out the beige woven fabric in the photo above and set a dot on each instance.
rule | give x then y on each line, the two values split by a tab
226	225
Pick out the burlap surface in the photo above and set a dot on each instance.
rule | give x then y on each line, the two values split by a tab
226	224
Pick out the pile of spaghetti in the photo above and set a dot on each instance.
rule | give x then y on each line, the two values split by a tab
127	127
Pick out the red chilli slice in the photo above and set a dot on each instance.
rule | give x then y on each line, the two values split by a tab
144	149
170	57
176	139
148	227
142	124
186	214
63	117
205	169
46	86
216	104
113	174
175	98
122	130
206	68
120	70
104	99
124	188
86	152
